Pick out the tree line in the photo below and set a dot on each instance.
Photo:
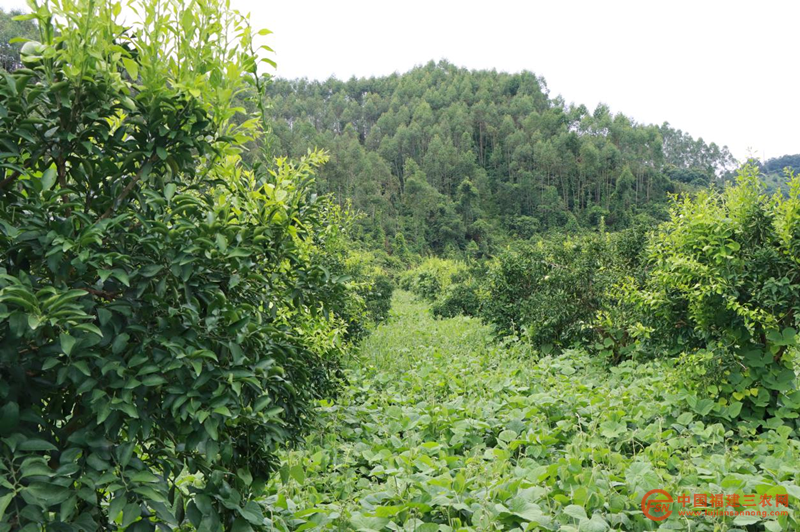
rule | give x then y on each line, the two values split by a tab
455	159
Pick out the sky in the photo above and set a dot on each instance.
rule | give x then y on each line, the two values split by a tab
724	71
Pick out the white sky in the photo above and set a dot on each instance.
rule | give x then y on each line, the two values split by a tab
723	70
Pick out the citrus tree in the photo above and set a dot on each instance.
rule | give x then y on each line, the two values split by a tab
162	324
724	289
549	291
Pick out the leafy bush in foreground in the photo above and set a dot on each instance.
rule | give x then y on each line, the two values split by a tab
161	322
724	289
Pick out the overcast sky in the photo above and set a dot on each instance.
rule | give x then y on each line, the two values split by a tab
724	70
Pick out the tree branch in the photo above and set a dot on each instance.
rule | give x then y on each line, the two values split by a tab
110	296
7	181
127	189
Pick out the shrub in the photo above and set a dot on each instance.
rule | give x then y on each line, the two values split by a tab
724	289
161	324
618	327
549	291
379	298
371	287
460	298
431	277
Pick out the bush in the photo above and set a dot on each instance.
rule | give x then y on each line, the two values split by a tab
161	323
619	332
371	287
461	298
549	291
724	290
431	278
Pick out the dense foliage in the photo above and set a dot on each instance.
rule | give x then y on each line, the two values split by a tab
777	165
451	157
774	172
551	291
166	317
443	430
715	286
432	277
724	289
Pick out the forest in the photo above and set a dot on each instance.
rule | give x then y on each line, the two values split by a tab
437	301
453	158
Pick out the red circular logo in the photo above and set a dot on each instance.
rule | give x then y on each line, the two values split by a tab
651	505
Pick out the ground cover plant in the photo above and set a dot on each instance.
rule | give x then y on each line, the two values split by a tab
441	429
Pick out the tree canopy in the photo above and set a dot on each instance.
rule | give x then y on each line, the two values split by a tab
406	148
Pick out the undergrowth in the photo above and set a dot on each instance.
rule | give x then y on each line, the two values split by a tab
440	429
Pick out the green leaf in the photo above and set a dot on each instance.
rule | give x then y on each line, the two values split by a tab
49	494
144	476
388	511
122	276
103	411
595	524
119	343
169	191
9	417
298	473
507	435
704	406
5	500
130	513
154	380
37	445
49	178
151	270
573	510
132	67
104	315
150	493
252	512
83	367
240	525
67	343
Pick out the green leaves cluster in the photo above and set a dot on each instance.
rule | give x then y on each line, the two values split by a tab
725	280
432	277
717	286
550	291
164	328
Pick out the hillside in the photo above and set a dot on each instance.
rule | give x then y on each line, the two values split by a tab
454	158
774	171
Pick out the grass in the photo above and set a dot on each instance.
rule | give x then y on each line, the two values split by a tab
442	429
